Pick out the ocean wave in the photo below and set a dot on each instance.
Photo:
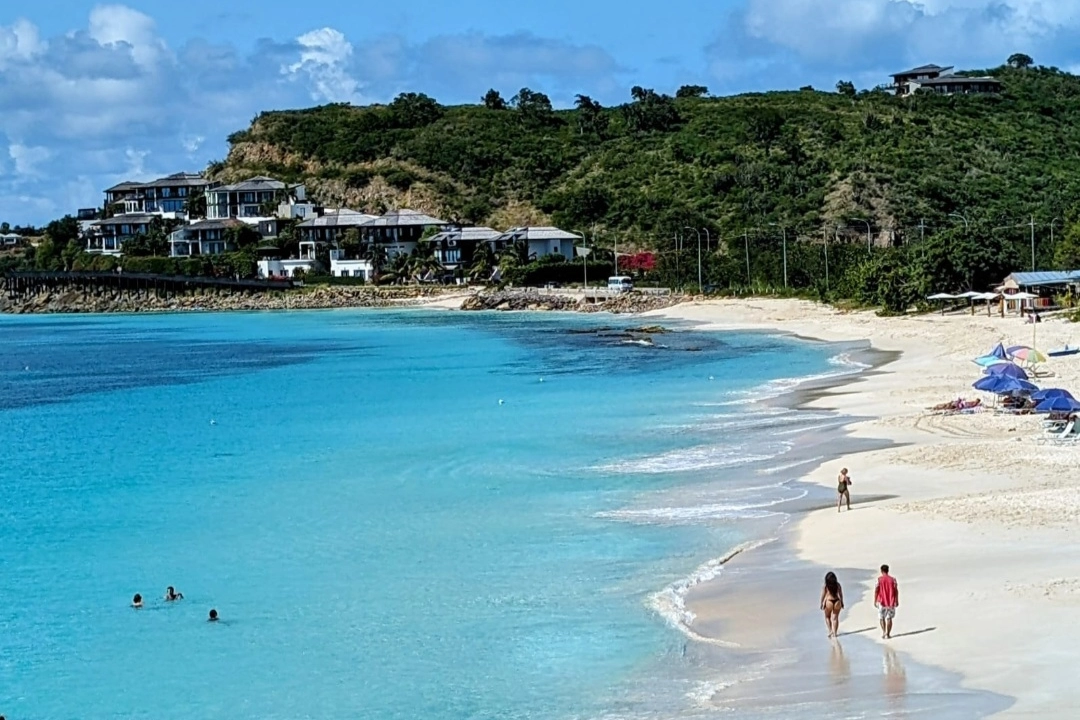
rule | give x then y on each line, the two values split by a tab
670	603
775	388
699	513
697	458
794	464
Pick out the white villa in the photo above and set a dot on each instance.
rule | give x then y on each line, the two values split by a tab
9	239
542	240
276	267
249	200
341	267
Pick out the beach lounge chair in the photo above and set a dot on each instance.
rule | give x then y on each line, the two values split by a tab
1057	433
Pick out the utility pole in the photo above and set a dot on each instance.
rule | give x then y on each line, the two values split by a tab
678	269
867	223
783	229
922	229
825	235
1032	243
698	232
1052	232
746	242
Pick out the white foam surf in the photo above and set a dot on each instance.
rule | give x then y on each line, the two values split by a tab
699	513
704	457
670	603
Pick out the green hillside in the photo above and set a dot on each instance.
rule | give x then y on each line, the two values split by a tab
807	161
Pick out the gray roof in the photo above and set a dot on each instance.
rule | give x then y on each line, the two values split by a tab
174	180
538	233
179	180
404	218
1046	277
255	184
223	224
468	234
338	218
128	219
126	185
924	69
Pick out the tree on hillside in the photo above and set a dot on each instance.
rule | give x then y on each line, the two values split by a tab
413	110
1020	61
493	100
765	127
535	106
846	88
650	110
591	119
692	91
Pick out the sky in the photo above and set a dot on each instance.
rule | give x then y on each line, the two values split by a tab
92	94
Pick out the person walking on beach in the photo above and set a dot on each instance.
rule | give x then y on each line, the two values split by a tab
842	484
832	602
886	600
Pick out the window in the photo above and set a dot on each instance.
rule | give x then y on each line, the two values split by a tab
166	192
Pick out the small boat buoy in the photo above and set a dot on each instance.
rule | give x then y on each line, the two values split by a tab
710	378
500	402
213	422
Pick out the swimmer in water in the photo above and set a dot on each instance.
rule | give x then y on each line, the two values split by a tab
171	595
136	602
213	616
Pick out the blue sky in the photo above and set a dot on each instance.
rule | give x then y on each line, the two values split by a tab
91	94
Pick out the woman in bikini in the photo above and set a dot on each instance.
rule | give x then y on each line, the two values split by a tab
832	602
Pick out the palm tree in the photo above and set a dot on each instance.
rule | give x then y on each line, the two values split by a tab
483	263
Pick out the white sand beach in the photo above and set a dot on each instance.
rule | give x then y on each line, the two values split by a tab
984	529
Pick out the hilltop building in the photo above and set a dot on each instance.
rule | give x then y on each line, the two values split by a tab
259	197
941	80
165	196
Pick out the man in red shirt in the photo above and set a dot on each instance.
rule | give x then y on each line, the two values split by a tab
886	600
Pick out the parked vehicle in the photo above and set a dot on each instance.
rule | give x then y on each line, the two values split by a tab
620	283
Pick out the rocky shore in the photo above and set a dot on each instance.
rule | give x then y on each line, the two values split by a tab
317	298
327	297
630	303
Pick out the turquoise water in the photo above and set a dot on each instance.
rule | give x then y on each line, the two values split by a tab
382	536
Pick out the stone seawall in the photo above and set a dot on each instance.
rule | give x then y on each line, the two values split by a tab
324	297
317	298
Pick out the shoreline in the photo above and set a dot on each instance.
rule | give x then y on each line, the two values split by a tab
949	491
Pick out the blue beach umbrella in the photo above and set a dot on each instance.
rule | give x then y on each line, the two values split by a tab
1000	385
999	351
987	360
1007	369
1048	393
1058	404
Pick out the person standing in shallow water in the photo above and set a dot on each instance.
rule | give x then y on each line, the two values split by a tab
213	616
832	602
843	482
136	602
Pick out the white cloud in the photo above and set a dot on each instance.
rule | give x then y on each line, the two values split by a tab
325	59
28	159
19	42
113	25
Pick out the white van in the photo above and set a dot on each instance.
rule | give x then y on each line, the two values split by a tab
620	283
